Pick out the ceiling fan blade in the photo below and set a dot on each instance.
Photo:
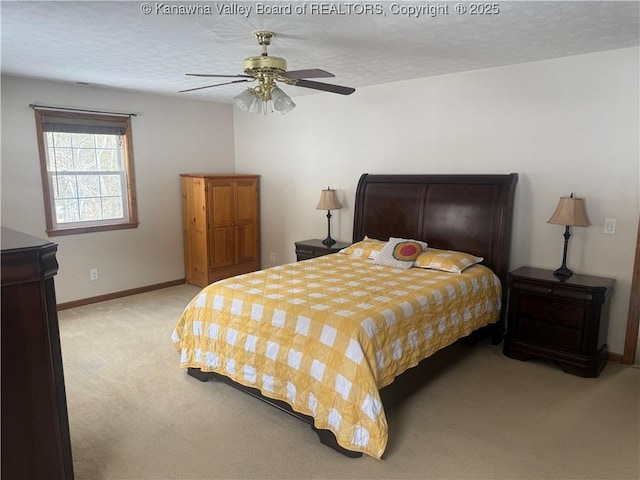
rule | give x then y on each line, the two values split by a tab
216	75
325	87
310	73
214	85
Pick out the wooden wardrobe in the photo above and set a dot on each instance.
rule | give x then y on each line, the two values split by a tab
221	226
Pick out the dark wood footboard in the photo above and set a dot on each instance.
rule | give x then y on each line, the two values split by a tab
326	436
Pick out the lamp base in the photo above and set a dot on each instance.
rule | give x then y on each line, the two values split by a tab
563	272
328	241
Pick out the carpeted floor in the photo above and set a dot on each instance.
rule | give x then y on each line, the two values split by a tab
135	415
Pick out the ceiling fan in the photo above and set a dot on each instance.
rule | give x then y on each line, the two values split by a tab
267	71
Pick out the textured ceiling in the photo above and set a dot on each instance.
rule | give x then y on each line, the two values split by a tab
115	44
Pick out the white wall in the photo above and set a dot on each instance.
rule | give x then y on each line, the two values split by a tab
170	136
564	125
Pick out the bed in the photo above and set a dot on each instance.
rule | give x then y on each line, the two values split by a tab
327	339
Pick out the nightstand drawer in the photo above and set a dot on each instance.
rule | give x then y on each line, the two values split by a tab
552	312
310	252
307	249
552	291
306	255
549	334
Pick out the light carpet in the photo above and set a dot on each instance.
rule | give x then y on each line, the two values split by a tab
134	414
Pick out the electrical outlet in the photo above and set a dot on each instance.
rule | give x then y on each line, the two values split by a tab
272	257
93	274
610	226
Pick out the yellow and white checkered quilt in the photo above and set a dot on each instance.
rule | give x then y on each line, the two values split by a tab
325	335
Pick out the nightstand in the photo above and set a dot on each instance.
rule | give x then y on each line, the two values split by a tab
307	249
564	320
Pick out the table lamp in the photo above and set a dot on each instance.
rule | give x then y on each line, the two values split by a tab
570	212
328	201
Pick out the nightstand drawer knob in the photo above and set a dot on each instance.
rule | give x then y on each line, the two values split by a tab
549	290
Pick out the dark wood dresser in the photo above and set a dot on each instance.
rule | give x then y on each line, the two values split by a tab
35	426
561	319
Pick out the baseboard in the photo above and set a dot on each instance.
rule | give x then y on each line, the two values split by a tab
615	358
122	293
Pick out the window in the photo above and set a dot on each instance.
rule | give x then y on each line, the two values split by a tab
86	162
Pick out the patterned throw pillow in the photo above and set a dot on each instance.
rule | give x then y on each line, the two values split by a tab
366	248
446	260
400	253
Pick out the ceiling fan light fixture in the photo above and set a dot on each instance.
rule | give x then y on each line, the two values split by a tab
245	99
257	105
281	101
257	100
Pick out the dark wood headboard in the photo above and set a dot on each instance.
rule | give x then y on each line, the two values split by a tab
469	213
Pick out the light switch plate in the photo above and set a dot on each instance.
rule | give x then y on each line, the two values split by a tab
610	226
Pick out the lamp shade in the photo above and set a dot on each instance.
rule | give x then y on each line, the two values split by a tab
570	211
328	200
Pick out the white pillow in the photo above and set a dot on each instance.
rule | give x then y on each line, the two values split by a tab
400	253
